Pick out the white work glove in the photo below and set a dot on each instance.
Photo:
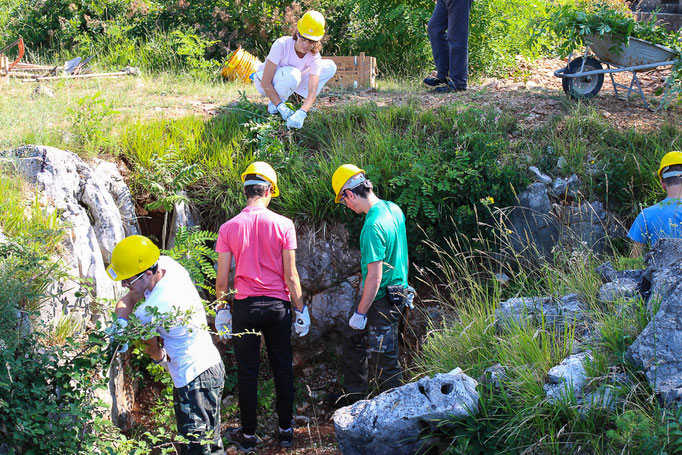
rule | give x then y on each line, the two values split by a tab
223	322
118	328
302	324
296	120
285	111
164	359
358	321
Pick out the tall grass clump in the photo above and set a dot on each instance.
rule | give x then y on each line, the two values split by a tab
514	415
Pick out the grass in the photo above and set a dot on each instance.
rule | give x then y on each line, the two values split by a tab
517	418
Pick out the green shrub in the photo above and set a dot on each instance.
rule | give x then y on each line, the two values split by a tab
192	36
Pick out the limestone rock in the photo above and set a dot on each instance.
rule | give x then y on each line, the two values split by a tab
516	310
42	90
391	423
533	228
182	218
569	376
495	376
657	349
540	176
96	208
112	180
620	289
325	259
606	272
329	311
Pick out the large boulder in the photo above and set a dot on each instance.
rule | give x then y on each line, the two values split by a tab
329	271
392	423
535	225
95	207
657	349
81	196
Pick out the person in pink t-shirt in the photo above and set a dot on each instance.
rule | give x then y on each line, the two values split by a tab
294	64
263	245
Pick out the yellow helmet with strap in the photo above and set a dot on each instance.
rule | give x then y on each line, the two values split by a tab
669	159
341	176
264	170
132	255
311	26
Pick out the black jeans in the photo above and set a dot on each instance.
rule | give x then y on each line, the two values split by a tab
197	411
449	35
380	339
272	318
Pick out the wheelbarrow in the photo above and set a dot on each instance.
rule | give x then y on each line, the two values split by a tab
584	76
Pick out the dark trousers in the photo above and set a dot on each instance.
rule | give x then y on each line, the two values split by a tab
272	318
379	338
197	411
449	35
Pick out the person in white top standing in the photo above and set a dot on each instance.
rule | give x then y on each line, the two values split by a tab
172	309
294	65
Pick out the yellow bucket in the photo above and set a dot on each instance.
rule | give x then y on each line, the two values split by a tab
240	65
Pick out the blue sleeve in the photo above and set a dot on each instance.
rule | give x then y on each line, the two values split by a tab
638	231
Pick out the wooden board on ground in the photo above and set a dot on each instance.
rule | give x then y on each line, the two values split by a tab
355	71
4	68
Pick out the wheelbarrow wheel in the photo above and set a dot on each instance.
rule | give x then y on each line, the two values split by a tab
582	88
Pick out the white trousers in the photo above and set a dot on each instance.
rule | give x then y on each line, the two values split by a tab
288	80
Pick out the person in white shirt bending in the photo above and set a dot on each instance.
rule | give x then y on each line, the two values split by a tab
294	65
172	309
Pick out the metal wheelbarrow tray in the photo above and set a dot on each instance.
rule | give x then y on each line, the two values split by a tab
583	77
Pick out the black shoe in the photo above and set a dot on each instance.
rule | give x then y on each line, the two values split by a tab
237	437
434	81
340	399
285	437
450	87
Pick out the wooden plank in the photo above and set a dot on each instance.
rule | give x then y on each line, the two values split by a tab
79	76
4	65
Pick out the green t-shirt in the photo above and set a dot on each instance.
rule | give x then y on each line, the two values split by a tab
383	238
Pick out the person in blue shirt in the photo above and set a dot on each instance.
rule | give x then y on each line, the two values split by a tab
662	220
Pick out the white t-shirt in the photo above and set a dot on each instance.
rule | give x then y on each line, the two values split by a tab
188	344
282	53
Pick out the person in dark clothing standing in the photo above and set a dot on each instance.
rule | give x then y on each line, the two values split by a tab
449	35
263	245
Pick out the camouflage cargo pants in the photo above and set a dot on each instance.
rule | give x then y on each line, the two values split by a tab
197	412
379	339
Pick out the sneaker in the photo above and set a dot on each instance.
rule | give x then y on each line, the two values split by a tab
450	87
272	109
285	437
434	81
237	437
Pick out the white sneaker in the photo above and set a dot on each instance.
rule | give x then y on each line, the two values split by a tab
272	109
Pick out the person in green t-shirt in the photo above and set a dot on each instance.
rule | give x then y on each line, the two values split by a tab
374	319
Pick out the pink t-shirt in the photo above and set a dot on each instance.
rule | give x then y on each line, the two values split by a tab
282	53
256	238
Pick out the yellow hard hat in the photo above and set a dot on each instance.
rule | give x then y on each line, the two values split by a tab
669	159
341	176
264	170
132	255
311	25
